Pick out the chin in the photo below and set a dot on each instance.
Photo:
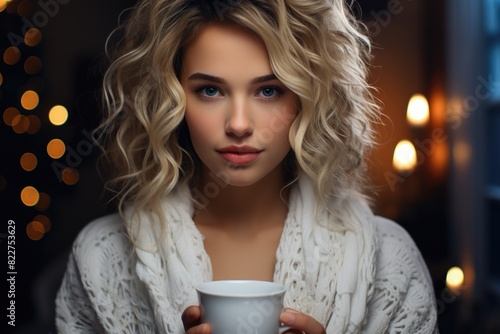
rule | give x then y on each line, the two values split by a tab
239	178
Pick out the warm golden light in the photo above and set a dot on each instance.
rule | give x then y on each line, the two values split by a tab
33	37
405	156
3	5
58	115
32	65
29	161
454	278
417	113
56	148
35	230
30	196
29	100
1	79
70	176
9	114
11	55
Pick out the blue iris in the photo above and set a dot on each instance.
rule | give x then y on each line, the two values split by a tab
210	91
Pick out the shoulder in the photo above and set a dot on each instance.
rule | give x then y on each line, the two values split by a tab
396	248
102	243
403	291
100	283
102	231
388	228
110	224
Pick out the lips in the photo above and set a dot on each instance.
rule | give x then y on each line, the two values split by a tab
239	155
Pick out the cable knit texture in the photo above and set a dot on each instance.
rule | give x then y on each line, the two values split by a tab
367	276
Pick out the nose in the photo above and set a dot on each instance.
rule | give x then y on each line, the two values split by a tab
239	122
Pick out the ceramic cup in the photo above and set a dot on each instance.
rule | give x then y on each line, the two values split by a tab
242	307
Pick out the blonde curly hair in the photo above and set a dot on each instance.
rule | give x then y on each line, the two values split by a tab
316	48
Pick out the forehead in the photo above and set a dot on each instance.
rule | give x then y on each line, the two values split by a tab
226	49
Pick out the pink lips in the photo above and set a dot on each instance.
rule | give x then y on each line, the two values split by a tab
239	155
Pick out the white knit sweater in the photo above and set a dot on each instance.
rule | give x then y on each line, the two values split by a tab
367	277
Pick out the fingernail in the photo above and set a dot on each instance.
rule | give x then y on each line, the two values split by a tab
202	329
288	318
291	310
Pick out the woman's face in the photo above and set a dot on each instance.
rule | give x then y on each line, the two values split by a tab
238	113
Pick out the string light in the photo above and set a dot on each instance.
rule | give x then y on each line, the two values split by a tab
9	114
70	176
22	122
11	55
405	156
28	161
58	115
30	196
32	65
417	112
32	37
35	230
29	100
455	278
56	148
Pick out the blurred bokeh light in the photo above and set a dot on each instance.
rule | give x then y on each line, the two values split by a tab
29	100
28	161
58	115
56	148
30	196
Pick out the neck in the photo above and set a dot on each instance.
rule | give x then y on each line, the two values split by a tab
242	206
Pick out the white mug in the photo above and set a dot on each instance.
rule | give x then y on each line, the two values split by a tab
242	306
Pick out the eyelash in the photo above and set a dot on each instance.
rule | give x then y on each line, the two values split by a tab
278	92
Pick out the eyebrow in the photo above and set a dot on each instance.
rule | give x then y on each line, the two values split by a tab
203	76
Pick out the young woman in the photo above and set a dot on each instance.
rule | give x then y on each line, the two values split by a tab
238	130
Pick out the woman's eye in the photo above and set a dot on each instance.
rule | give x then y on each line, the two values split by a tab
209	91
269	92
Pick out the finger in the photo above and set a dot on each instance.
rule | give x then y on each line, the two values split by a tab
301	322
293	331
191	317
200	329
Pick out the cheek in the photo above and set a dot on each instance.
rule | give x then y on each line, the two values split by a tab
195	128
200	116
279	124
202	127
273	134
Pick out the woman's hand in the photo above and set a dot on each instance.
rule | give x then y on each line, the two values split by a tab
301	323
191	320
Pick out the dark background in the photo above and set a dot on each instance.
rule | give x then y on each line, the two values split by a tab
410	52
